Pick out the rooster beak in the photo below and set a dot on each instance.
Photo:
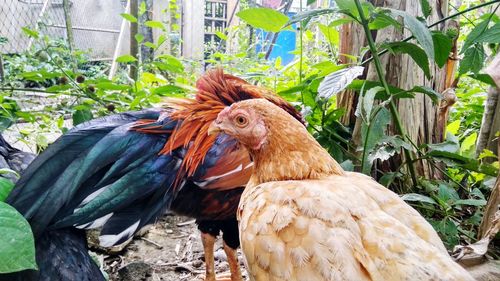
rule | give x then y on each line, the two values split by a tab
214	129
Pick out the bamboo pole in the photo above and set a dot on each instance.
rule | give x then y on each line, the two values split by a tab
119	43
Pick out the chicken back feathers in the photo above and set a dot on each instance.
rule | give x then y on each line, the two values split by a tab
313	221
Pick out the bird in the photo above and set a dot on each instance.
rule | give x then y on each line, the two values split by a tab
13	159
122	172
302	217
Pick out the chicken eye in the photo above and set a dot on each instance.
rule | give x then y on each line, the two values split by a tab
241	121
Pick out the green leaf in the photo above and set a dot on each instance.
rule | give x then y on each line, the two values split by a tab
419	31
154	24
142	8
30	32
126	59
375	132
6	187
139	37
17	246
450	145
348	7
426	8
492	35
415	52
264	18
461	161
453	127
81	116
471	202
382	20
468	144
435	96
474	34
111	86
167	89
415	197
442	48
169	63
447	193
330	33
473	60
221	35
483	77
129	17
306	16
151	45
309	2
365	103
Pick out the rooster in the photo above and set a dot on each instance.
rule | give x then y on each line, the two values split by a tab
122	172
301	217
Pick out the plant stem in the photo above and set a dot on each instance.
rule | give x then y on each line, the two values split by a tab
381	76
434	24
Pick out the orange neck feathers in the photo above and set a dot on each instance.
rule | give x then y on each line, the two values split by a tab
216	90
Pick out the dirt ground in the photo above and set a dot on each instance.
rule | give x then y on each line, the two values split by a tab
170	250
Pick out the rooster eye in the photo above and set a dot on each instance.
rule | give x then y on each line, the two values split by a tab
241	121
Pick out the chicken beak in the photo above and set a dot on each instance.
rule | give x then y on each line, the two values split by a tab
214	129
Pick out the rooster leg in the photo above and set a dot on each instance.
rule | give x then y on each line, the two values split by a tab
208	241
234	265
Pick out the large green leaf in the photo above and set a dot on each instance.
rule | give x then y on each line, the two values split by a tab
414	51
419	31
330	33
492	35
382	20
467	163
426	8
126	59
373	134
6	187
264	18
473	60
17	246
348	7
470	202
415	197
442	47
474	34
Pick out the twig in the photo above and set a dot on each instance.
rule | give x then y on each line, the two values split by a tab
158	246
186	223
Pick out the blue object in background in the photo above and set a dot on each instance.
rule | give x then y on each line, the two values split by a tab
285	43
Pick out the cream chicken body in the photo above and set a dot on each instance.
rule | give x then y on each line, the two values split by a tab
301	217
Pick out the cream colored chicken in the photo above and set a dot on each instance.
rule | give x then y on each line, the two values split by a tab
303	218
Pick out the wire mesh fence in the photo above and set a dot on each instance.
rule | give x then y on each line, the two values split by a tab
95	24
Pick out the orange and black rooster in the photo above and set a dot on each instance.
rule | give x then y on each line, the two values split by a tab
122	172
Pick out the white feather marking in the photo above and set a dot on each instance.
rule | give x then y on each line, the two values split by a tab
211	179
95	224
93	195
111	239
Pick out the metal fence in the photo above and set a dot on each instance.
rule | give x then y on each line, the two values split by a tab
95	24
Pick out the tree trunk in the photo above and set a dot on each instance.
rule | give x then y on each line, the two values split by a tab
490	124
146	52
419	115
